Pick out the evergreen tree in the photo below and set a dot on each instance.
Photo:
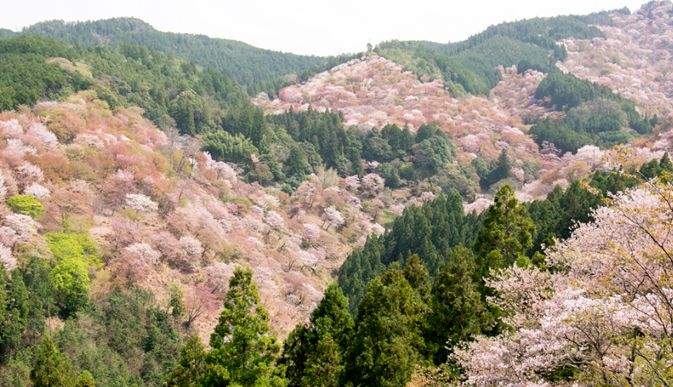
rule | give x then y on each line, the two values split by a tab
388	332
51	367
14	311
243	347
457	308
500	169
297	164
190	368
417	275
506	234
314	354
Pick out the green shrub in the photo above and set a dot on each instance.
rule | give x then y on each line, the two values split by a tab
26	205
74	253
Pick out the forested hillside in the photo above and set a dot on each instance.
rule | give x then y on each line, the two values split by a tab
495	211
253	68
172	92
470	66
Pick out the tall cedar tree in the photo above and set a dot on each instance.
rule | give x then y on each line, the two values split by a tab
191	366
243	347
457	308
388	335
506	234
14	311
315	354
51	368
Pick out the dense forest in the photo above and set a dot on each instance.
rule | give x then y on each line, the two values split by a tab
172	92
470	66
400	300
282	149
594	115
439	295
253	68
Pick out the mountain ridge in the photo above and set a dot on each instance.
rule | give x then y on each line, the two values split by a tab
250	66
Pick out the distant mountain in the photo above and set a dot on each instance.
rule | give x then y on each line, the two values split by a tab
470	65
171	91
254	68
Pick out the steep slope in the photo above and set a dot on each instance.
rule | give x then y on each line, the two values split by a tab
172	92
373	91
163	214
252	67
633	58
471	65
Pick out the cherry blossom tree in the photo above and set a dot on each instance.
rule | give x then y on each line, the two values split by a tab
606	311
141	203
138	259
333	218
372	184
6	259
310	234
37	190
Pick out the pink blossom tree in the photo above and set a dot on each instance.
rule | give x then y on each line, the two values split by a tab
607	310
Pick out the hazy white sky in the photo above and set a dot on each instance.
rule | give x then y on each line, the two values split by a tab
318	27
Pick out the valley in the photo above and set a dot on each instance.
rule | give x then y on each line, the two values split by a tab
183	210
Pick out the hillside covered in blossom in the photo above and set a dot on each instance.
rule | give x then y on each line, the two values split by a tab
485	212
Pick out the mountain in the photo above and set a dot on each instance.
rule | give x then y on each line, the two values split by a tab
253	68
492	211
470	66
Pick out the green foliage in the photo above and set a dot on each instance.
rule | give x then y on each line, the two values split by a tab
458	310
251	67
74	254
432	154
14	312
388	338
404	322
135	326
123	339
243	349
470	66
658	168
560	134
86	346
51	367
325	131
506	234
26	76
191	366
227	147
595	115
556	216
498	170
170	91
315	354
430	231
26	205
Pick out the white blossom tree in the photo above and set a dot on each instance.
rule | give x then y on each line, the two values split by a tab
606	312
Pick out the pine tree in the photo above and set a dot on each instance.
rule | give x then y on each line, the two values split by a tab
243	347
